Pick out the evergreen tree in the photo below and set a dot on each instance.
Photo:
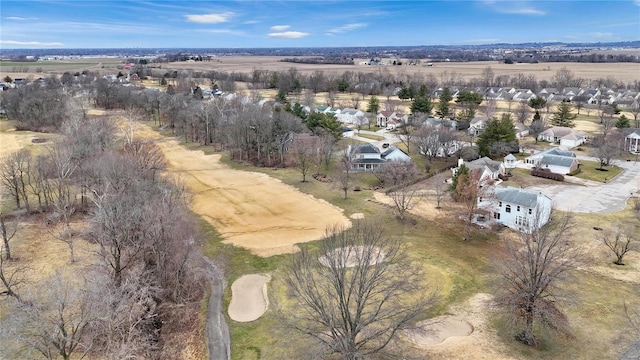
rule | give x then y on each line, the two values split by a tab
537	103
281	97
623	122
443	105
461	175
421	105
374	105
563	116
406	92
470	101
499	134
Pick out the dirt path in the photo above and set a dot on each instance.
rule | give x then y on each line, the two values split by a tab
249	209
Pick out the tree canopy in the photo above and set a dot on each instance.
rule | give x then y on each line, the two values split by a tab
563	115
498	137
443	105
421	105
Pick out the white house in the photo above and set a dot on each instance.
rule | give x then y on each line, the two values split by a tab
632	141
347	132
367	157
565	136
556	160
386	118
477	125
350	116
520	209
521	131
490	169
395	154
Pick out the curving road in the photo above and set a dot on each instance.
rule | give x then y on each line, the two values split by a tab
596	197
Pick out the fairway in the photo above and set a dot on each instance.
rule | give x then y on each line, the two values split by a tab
249	209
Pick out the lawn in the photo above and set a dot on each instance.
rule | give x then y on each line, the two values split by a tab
591	171
369	136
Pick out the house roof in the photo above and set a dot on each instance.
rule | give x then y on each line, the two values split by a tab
510	157
390	150
559	152
365	149
517	196
482	163
557	160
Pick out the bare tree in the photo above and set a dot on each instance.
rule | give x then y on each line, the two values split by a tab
344	173
621	241
533	268
490	107
57	323
8	230
304	153
522	112
14	173
391	105
439	193
606	148
404	200
355	292
12	279
393	173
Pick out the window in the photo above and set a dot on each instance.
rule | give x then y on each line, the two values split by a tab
496	215
518	208
530	211
507	208
500	204
480	199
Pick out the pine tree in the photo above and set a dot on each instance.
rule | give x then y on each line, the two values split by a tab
563	115
443	105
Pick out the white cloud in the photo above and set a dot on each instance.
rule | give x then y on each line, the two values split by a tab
346	28
30	43
210	18
513	7
288	34
637	2
602	34
280	27
18	18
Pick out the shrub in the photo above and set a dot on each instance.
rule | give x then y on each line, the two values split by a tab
547	174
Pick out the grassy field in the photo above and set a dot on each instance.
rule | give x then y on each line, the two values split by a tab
591	170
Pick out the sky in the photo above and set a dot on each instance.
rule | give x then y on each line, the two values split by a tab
311	23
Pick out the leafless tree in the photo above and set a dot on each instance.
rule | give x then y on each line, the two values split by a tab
331	98
532	269
606	148
56	323
355	292
439	193
12	278
621	241
393	173
355	102
634	109
344	173
522	112
405	135
304	153
490	107
488	76
8	228
14	173
404	200
391	105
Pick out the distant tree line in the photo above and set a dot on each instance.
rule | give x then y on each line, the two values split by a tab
320	60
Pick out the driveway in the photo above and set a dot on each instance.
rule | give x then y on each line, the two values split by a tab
592	198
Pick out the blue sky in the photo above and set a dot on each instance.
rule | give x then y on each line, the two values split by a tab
309	23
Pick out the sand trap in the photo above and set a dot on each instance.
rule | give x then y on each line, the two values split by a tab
352	254
437	330
357	216
249	209
249	299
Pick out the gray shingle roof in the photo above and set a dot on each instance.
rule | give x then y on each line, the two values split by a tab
557	160
517	196
482	162
366	149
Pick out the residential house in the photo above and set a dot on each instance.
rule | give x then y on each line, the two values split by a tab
365	157
521	130
351	116
477	125
441	123
490	169
632	140
394	154
565	136
347	132
520	209
555	159
385	118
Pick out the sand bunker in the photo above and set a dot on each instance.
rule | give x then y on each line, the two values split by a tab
248	209
350	255
437	330
249	299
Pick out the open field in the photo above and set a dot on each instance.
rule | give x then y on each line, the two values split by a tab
625	72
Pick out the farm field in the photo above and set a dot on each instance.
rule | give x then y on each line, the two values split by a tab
467	70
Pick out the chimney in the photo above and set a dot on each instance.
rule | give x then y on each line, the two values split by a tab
460	162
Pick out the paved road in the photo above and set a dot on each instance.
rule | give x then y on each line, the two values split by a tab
596	198
218	340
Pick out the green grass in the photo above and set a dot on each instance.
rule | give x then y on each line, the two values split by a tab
457	270
590	171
